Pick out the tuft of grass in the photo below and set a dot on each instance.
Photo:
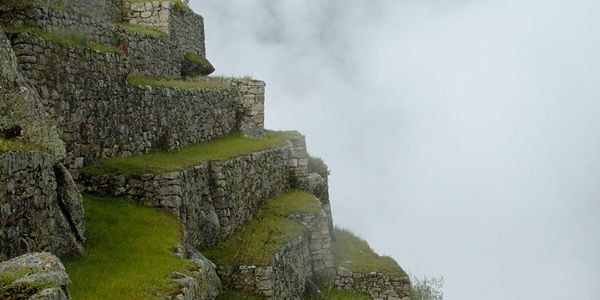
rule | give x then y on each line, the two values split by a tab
10	290
317	165
141	29
355	254
258	241
163	162
69	39
129	252
10	146
192	83
331	293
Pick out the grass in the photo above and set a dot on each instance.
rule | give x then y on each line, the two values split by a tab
10	146
317	165
193	83
330	293
141	29
10	290
258	241
355	254
74	40
238	295
164	162
128	253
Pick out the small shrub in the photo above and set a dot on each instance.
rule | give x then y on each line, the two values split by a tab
181	6
195	65
317	165
427	288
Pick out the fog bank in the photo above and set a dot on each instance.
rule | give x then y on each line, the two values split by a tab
463	137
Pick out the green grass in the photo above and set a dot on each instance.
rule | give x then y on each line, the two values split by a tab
164	162
9	146
237	295
330	293
258	241
129	252
193	83
10	290
141	29
69	39
355	254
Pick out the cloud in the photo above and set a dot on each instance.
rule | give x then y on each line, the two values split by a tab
463	135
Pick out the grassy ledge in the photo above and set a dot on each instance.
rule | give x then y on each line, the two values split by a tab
128	253
193	83
164	162
141	29
10	146
258	241
74	40
355	254
330	293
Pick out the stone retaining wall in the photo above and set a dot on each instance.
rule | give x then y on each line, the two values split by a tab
250	94
285	278
378	285
99	116
321	251
212	199
40	207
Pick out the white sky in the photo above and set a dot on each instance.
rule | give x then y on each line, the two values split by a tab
463	137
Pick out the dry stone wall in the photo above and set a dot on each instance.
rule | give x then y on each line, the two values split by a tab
212	199
380	286
320	245
99	116
250	94
285	278
40	207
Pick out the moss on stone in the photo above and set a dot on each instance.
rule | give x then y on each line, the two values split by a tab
355	254
192	83
78	40
195	65
141	29
257	242
129	252
164	162
10	146
16	291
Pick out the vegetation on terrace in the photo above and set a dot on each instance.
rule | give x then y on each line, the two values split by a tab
163	162
355	254
11	145
258	241
141	29
69	39
331	293
129	252
11	290
178	4
192	83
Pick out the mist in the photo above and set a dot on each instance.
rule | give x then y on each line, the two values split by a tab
463	137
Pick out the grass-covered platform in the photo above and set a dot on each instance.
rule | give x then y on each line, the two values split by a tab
163	162
355	254
258	241
129	252
192	83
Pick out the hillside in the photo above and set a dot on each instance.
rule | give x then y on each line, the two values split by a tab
149	179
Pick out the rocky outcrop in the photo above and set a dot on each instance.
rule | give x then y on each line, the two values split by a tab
34	276
22	114
202	282
40	207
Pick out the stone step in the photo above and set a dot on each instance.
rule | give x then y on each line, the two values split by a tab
213	188
85	93
279	252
